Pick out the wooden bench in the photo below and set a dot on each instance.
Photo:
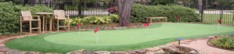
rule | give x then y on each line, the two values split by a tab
150	19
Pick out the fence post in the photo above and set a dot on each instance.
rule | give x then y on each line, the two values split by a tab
80	8
221	13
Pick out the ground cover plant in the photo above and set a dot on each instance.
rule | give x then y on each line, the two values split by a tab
111	40
225	42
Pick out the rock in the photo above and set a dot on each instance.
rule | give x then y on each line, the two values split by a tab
119	52
102	52
173	43
132	52
149	52
88	52
213	37
76	52
140	51
53	53
160	52
152	49
177	49
193	52
187	41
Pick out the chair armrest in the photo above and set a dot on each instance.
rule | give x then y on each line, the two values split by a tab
36	17
67	16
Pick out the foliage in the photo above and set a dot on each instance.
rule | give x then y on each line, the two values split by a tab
2	0
114	17
94	20
34	9
10	13
224	42
9	18
162	2
71	7
140	12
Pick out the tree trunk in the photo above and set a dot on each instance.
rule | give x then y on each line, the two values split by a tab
200	6
124	10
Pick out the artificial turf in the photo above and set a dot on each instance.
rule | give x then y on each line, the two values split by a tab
124	39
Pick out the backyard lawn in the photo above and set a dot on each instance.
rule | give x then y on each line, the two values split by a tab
112	40
213	18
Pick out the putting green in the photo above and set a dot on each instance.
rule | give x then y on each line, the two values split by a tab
125	39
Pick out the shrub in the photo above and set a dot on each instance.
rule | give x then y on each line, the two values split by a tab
224	42
9	18
94	20
162	2
114	17
98	20
10	14
35	8
140	12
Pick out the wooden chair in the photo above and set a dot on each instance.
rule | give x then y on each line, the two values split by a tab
60	15
27	17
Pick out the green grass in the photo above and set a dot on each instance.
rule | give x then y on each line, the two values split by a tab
112	40
213	18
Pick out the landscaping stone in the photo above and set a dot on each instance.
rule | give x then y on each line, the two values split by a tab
152	49
213	37
179	50
76	52
102	52
88	52
119	52
52	53
161	51
140	51
187	41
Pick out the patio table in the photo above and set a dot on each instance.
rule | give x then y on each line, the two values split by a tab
44	14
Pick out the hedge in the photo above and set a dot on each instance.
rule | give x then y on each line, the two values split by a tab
140	12
162	2
10	14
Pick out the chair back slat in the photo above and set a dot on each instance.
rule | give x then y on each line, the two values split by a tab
59	14
26	15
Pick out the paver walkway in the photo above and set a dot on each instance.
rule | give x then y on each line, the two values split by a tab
203	48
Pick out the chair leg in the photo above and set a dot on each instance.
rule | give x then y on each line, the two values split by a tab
30	27
57	25
65	25
21	29
39	26
69	28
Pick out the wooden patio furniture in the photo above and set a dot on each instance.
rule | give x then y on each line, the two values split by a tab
150	19
60	16
27	17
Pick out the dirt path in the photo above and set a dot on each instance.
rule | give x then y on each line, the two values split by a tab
203	48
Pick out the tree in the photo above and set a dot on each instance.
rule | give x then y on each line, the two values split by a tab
124	10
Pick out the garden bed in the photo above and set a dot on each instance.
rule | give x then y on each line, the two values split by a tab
213	42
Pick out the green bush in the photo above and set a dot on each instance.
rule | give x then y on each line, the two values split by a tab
162	2
94	20
140	12
34	9
10	14
224	42
114	17
9	18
